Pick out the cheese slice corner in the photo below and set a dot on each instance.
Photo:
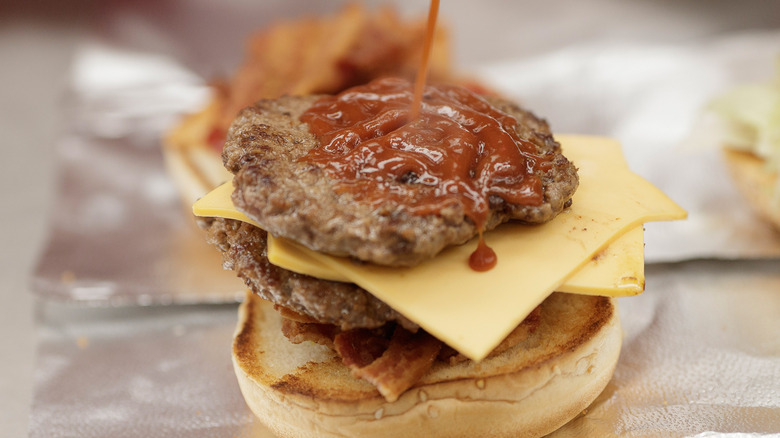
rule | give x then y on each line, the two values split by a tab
218	203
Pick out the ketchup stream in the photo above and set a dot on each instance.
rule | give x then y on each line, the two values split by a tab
422	70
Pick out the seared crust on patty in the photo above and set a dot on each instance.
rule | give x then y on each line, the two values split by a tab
243	247
299	200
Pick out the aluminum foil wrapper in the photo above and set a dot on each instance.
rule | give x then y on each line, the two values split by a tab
136	316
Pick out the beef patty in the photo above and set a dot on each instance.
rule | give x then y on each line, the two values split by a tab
244	250
296	199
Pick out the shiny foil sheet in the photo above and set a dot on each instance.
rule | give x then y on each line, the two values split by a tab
136	316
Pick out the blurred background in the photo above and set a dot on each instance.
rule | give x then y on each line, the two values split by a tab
38	41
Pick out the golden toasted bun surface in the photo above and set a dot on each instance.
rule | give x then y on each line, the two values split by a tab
530	390
195	166
755	182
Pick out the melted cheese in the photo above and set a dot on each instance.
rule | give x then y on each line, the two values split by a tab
473	311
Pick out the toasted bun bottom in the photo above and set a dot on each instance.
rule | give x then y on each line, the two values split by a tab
195	166
755	183
530	390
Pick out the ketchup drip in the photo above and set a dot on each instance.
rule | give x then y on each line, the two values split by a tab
483	258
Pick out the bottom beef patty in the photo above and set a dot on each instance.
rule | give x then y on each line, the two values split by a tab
244	250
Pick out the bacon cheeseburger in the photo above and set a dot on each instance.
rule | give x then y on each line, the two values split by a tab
378	307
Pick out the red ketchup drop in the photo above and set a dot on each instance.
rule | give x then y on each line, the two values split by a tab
483	258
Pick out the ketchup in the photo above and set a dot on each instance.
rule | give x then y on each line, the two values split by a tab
422	70
447	148
483	258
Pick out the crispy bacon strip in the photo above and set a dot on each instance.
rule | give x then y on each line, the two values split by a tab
390	357
287	313
298	332
406	359
360	347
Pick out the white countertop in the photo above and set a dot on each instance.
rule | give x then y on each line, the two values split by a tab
36	45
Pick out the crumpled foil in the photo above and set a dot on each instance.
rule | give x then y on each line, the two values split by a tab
701	353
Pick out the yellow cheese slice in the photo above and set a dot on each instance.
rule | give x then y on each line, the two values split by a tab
217	203
473	311
618	270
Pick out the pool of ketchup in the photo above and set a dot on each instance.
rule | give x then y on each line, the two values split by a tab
452	149
459	149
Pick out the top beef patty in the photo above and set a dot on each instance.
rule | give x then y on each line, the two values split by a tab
286	182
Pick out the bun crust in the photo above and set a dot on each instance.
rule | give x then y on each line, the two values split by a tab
755	183
195	166
532	389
